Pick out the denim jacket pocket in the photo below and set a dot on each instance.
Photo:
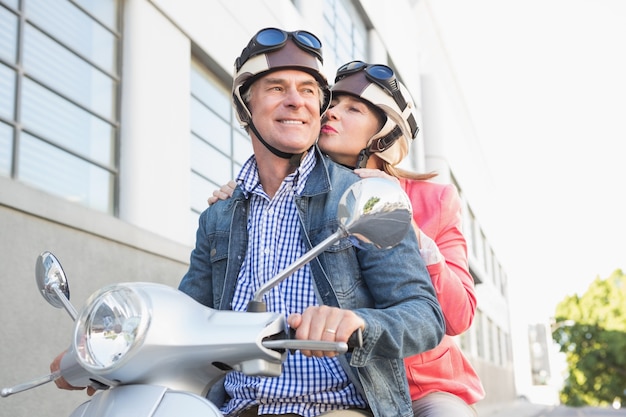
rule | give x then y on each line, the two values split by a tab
219	247
218	257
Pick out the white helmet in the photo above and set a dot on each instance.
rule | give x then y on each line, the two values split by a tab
377	85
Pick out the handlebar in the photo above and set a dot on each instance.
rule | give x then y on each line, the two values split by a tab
30	384
293	344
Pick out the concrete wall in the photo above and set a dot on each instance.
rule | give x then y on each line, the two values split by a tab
94	250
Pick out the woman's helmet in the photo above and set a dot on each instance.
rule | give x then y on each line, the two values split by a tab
272	49
377	85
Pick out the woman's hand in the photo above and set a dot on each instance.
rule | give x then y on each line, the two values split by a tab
224	193
371	173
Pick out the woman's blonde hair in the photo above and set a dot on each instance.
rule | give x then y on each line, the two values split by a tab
402	173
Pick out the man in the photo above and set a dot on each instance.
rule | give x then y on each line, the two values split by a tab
286	203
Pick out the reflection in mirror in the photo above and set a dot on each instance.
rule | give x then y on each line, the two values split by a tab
376	210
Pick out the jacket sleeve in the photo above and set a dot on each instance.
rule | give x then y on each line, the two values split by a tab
405	318
451	278
197	281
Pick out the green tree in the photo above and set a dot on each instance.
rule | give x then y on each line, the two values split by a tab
591	331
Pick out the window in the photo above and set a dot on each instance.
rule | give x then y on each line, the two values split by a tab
219	146
481	335
59	74
502	347
466	340
6	148
345	34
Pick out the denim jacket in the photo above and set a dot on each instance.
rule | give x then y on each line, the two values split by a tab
389	288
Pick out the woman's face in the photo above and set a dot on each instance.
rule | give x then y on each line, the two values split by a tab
347	126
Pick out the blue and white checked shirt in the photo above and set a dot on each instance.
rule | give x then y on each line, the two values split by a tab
307	386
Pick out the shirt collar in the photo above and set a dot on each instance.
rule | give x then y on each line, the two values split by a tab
249	181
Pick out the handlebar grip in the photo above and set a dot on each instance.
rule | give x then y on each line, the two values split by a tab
355	340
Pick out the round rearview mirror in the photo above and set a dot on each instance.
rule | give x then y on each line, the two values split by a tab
376	210
50	275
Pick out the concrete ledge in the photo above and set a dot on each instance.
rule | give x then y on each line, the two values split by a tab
21	197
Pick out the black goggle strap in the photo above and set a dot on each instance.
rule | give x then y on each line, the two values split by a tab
253	50
413	125
392	87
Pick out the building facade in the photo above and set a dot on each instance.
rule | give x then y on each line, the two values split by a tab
116	124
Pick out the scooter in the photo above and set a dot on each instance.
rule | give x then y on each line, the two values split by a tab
151	350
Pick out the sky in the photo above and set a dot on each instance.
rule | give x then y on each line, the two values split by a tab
545	84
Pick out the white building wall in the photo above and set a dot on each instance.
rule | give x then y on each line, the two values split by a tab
154	144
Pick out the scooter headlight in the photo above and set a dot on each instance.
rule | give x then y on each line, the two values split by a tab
111	326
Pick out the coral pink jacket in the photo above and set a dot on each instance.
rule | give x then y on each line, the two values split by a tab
437	211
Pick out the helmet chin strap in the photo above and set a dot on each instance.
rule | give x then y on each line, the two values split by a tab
294	158
378	145
362	158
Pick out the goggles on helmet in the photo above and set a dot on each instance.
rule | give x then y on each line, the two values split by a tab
269	39
384	77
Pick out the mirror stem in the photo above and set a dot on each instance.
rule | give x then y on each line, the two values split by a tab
66	303
257	305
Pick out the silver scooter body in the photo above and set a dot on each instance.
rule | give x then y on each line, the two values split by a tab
146	401
182	345
184	350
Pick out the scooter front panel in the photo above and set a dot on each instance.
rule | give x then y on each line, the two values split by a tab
146	401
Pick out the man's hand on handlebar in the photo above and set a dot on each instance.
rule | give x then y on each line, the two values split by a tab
325	323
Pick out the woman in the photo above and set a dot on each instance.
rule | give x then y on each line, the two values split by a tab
369	126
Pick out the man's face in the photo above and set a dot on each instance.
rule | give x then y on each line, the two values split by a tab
285	107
